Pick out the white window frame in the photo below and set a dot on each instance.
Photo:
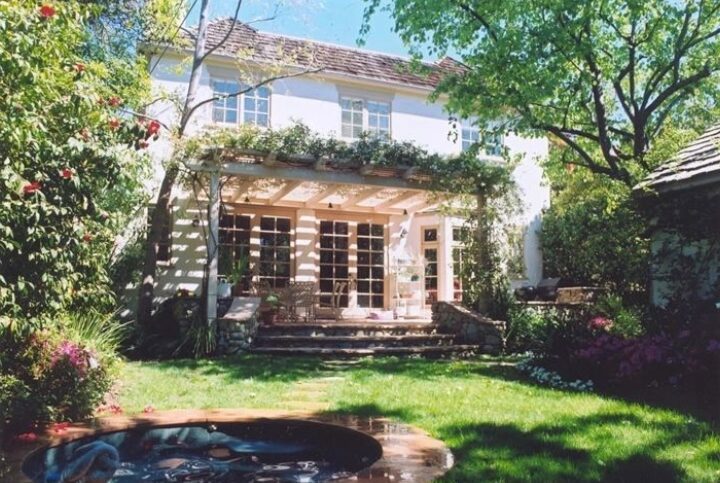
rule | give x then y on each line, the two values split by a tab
240	108
366	100
470	134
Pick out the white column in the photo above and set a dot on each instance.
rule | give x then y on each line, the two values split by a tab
445	261
306	258
213	236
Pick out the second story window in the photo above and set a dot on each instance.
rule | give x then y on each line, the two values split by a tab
470	137
379	119
491	144
251	108
352	117
361	115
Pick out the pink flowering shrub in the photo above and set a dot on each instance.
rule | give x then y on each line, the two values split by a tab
47	378
650	360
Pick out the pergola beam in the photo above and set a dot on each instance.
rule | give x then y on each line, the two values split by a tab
326	193
365	194
396	199
242	188
252	170
283	191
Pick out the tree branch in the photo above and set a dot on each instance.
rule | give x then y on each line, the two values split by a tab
483	21
678	86
227	34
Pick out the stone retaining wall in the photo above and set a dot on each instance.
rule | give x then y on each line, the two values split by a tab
236	330
469	327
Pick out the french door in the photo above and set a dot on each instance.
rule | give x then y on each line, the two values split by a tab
334	260
353	252
371	265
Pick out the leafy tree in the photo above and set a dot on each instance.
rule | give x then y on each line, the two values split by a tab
70	163
593	233
603	76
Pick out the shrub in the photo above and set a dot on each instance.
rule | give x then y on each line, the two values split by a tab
652	360
72	165
627	321
46	377
548	333
593	243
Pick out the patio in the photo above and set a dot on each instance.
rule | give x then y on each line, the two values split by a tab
328	238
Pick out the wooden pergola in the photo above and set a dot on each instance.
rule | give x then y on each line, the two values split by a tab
265	178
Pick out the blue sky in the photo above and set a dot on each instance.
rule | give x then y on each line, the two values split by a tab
335	21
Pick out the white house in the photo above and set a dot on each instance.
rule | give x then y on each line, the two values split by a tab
321	225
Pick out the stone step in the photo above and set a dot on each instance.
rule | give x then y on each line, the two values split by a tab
339	329
354	341
426	351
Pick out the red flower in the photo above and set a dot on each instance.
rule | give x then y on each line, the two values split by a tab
31	188
149	409
66	173
27	437
114	123
153	128
114	101
142	144
47	11
79	67
115	408
87	237
60	427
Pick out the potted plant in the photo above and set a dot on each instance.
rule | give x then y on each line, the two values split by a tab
238	274
229	285
272	308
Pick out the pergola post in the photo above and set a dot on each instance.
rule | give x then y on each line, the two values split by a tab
481	253
212	246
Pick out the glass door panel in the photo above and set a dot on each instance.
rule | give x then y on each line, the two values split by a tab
371	265
334	260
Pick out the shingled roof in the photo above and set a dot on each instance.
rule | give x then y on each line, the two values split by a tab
272	48
697	164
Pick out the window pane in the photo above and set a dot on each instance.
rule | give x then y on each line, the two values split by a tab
267	223
283	225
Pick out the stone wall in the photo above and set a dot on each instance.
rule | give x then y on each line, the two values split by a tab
469	327
236	330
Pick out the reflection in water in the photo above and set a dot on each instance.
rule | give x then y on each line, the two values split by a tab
261	452
175	463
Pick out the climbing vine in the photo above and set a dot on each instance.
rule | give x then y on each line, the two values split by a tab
466	176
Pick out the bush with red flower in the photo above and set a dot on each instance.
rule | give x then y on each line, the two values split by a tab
70	164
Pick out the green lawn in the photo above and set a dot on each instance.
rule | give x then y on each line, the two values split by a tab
500	427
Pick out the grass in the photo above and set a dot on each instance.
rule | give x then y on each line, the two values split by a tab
499	426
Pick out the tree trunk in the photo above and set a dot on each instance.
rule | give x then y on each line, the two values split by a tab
161	213
159	218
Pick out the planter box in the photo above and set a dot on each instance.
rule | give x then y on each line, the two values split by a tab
574	295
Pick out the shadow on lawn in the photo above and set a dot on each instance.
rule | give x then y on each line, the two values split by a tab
491	452
504	452
290	369
266	369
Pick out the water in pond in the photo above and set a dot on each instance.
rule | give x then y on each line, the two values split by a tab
258	451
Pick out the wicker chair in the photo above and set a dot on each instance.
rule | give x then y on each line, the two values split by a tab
297	298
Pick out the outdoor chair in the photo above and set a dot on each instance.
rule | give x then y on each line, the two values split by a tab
338	292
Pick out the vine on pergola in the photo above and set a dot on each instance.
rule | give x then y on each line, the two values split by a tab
476	182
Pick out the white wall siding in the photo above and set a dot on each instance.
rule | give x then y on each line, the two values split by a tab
314	100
